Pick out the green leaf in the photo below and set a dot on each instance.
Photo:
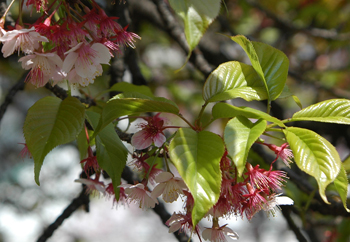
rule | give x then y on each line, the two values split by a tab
225	110
270	64
51	122
131	103
127	87
341	184
239	135
197	16
287	93
197	157
346	164
110	151
314	155
82	144
232	80
330	111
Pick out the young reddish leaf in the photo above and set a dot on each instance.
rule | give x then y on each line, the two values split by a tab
51	122
314	155
239	135
196	156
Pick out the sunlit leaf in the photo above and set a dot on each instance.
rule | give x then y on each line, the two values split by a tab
270	64
225	110
239	135
51	122
314	155
131	103
341	184
197	155
330	111
232	80
197	16
110	151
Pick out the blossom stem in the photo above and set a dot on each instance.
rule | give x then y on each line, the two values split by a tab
272	136
274	129
2	20
198	120
182	117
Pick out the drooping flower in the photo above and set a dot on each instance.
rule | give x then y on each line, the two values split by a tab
122	196
93	185
283	152
257	176
178	221
138	194
254	201
44	67
38	4
151	132
273	201
219	234
169	187
91	163
26	40
25	151
275	179
83	62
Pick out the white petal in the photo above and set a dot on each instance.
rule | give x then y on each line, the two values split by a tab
103	55
69	61
163	177
284	200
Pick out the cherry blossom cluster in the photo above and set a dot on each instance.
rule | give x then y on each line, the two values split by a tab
243	197
68	44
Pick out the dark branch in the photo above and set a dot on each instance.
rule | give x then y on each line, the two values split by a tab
19	86
286	211
287	25
82	199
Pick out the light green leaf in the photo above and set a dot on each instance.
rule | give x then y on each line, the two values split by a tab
225	110
330	111
346	164
51	122
341	184
127	87
239	135
197	157
110	151
314	155
131	103
232	80
197	16
270	64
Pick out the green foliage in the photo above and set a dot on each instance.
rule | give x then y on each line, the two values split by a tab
270	64
51	122
127	87
314	155
131	103
341	184
197	16
196	156
110	152
224	110
239	135
329	111
232	80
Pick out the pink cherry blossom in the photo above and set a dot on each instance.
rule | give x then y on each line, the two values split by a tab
138	194
219	234
93	186
169	187
83	62
178	221
273	201
44	66
283	152
26	40
151	132
25	151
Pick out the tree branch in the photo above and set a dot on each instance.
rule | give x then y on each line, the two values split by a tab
82	199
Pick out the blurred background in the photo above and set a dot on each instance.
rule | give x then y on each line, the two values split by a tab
314	34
